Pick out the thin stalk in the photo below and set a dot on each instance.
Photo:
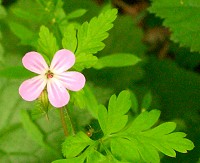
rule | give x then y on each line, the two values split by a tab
69	122
62	117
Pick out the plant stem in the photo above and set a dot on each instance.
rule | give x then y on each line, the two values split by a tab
62	117
66	122
69	122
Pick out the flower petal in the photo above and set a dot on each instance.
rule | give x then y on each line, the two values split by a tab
32	88
72	80
34	62
62	61
57	93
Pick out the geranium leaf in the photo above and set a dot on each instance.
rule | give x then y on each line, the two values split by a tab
185	25
90	35
47	44
117	60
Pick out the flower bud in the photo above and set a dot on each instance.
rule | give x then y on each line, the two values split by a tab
44	101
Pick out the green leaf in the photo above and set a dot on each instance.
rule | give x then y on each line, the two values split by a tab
26	36
124	149
78	98
185	25
144	121
146	101
114	120
31	128
95	156
76	14
116	109
91	35
148	141
148	153
41	107
162	129
134	101
15	72
103	118
38	111
69	41
178	142
117	60
119	105
85	61
18	143
165	77
47	44
74	145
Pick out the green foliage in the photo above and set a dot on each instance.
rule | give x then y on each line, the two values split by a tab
47	44
85	61
76	14
15	72
91	101
26	36
70	41
86	99
167	75
31	128
125	37
114	120
25	14
80	145
74	145
23	144
39	110
125	149
117	60
42	106
116	133
177	15
134	101
159	138
177	92
90	35
95	156
87	40
146	141
138	141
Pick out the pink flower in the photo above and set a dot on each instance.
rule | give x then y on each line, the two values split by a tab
54	78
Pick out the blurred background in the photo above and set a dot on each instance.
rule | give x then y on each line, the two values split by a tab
167	78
